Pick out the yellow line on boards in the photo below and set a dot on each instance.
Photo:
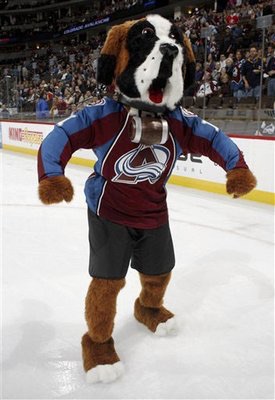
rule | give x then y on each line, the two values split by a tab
82	161
208	186
199	184
34	152
18	149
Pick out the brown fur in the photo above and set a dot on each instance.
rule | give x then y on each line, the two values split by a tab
148	307
55	189
100	308
240	181
122	60
115	45
153	289
151	317
116	36
188	48
94	354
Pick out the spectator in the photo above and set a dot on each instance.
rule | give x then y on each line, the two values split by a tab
226	41
31	96
237	83
229	66
211	61
216	72
225	86
222	61
54	109
68	97
73	109
232	18
251	72
270	70
61	106
4	112
199	72
42	108
49	95
269	53
208	87
237	36
77	95
25	72
231	3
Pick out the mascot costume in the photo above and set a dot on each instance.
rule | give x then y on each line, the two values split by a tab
137	140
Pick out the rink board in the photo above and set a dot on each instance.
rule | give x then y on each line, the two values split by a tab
192	171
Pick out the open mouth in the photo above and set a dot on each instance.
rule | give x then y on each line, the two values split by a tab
155	95
156	90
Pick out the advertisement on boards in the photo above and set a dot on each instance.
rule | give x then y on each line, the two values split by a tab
259	154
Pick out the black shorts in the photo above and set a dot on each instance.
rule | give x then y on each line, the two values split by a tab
113	246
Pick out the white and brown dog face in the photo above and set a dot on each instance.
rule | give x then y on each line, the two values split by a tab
145	60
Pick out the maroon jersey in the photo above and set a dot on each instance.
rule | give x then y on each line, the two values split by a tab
128	183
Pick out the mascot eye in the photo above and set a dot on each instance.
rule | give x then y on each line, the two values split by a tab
148	31
172	35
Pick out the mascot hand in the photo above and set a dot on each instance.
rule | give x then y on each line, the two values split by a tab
55	189
240	181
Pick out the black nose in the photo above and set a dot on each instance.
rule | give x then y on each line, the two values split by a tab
168	49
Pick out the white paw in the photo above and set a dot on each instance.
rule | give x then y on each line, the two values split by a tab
105	373
167	328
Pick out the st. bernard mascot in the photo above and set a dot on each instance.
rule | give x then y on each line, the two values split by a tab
137	141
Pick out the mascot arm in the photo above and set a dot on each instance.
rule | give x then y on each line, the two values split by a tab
56	150
210	141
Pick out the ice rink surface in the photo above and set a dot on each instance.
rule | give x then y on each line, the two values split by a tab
221	293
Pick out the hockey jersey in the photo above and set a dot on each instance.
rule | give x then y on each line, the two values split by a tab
127	185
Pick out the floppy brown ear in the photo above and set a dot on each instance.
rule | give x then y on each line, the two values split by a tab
113	53
190	63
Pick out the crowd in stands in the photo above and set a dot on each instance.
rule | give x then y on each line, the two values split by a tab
63	80
57	20
234	51
15	4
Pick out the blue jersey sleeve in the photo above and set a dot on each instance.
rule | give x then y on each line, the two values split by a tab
86	129
198	136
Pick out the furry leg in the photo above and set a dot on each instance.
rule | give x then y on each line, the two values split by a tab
100	359
148	306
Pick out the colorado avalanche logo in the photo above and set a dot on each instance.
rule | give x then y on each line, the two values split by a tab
142	164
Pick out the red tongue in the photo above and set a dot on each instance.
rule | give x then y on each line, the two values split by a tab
155	95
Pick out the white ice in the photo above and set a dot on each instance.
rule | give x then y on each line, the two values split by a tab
221	293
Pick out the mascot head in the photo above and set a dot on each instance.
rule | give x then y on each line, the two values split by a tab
148	60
